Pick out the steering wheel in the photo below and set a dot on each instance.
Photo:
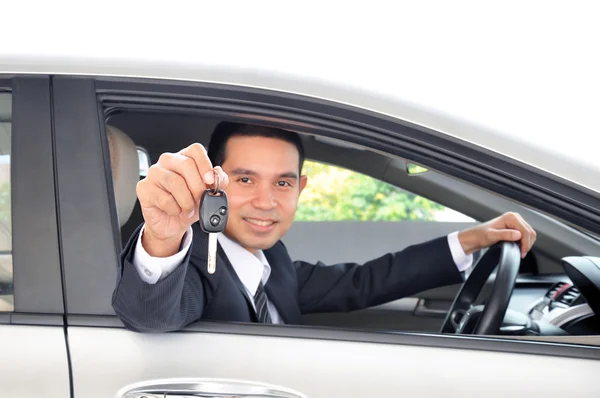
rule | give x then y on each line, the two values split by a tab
463	317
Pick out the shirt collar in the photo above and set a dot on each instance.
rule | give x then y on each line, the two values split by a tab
250	268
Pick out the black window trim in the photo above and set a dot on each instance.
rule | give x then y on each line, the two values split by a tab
89	250
6	84
37	278
423	147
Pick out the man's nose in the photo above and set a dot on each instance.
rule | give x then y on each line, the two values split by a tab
264	198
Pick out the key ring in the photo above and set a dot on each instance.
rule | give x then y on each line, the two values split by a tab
217	183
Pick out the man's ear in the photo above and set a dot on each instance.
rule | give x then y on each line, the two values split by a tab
303	181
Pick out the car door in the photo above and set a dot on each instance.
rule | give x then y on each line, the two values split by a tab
231	359
33	349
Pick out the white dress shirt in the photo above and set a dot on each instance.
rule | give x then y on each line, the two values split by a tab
250	268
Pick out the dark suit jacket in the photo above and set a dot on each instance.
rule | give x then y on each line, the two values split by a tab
190	293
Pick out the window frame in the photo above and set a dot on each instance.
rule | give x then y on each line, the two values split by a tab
80	106
37	278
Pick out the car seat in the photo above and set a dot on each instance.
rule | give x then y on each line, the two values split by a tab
125	173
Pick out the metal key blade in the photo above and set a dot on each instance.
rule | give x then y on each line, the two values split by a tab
212	253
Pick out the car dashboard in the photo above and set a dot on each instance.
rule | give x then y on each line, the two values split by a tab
569	307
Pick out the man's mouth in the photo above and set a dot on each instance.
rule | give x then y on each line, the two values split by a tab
260	223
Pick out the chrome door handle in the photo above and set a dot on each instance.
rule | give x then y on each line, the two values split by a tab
206	388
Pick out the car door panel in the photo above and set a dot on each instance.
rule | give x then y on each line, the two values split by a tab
107	359
33	362
108	362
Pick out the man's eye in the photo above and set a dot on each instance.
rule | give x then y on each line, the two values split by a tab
245	180
284	184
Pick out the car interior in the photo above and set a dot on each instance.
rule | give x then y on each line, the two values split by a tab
555	294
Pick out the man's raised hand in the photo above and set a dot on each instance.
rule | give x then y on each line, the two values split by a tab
170	196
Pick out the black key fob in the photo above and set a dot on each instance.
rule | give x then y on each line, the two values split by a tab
213	211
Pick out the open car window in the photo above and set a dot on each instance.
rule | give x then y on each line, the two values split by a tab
345	215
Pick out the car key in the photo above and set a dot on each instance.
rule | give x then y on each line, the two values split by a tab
213	219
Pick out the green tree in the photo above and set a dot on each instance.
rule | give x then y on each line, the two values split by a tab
336	194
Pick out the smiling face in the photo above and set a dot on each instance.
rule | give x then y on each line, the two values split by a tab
263	191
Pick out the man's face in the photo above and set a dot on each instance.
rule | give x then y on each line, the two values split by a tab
264	186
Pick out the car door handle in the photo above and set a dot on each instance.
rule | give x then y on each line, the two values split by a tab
207	388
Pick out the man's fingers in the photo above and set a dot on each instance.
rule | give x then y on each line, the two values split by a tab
186	167
223	177
528	235
198	153
510	235
531	232
167	203
151	195
177	182
173	184
509	227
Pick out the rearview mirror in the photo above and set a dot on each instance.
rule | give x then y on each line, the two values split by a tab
414	169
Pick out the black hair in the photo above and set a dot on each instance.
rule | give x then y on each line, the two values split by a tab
226	130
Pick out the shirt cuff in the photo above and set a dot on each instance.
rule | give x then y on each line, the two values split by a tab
462	260
152	269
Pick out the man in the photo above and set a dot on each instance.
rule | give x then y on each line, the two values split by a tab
163	282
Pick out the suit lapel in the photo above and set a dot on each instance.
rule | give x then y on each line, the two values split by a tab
280	286
236	280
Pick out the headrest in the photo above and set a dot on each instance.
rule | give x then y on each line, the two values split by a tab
125	171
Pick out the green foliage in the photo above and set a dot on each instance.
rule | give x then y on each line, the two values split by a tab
335	194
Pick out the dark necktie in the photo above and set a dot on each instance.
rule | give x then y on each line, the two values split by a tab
260	301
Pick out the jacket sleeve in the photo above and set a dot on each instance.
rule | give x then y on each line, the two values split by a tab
351	286
170	304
